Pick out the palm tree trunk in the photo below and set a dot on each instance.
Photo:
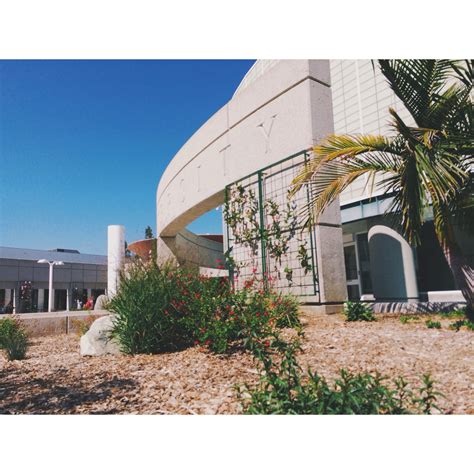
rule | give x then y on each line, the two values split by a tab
463	273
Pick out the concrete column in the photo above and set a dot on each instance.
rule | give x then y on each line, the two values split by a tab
51	296
16	299
330	258
115	257
50	289
40	300
68	296
8	295
392	265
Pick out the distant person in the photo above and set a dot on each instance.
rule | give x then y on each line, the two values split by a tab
89	303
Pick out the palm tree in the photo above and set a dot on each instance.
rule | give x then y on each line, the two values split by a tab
429	164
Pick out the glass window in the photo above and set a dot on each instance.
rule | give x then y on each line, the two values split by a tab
351	262
353	292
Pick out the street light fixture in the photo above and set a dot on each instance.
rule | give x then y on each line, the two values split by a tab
50	294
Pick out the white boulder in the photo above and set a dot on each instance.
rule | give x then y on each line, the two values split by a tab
97	341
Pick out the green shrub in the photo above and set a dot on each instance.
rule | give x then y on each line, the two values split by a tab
407	318
462	323
166	308
455	313
357	311
283	389
433	324
13	339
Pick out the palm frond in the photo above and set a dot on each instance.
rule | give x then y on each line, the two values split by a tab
449	107
463	71
333	177
415	82
442	224
342	147
440	174
346	146
410	199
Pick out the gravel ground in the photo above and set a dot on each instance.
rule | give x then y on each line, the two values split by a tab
56	379
396	349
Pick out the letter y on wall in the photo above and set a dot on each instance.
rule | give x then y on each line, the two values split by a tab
267	131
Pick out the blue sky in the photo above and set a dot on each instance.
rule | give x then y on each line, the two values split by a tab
83	144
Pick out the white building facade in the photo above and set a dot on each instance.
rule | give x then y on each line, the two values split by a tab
379	262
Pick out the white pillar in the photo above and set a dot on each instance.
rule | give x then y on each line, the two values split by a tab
115	257
40	300
8	296
14	301
51	295
67	299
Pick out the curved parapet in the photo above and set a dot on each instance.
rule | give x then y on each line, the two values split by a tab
280	108
189	249
282	111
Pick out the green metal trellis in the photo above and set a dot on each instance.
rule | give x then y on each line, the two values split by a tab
271	183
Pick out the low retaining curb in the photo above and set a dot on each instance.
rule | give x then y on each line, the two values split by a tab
48	324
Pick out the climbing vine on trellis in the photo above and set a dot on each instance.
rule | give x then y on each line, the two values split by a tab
304	258
264	233
241	213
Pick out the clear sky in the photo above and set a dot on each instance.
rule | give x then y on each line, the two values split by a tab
83	144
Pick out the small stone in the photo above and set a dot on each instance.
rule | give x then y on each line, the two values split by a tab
97	341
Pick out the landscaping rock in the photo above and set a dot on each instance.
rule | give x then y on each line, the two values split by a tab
100	302
97	341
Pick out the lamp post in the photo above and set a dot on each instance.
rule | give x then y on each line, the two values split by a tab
50	295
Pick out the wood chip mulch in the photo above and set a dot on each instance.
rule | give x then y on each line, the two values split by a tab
56	379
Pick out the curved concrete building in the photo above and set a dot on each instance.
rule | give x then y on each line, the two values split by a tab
280	108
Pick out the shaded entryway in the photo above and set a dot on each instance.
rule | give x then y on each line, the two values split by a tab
392	265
